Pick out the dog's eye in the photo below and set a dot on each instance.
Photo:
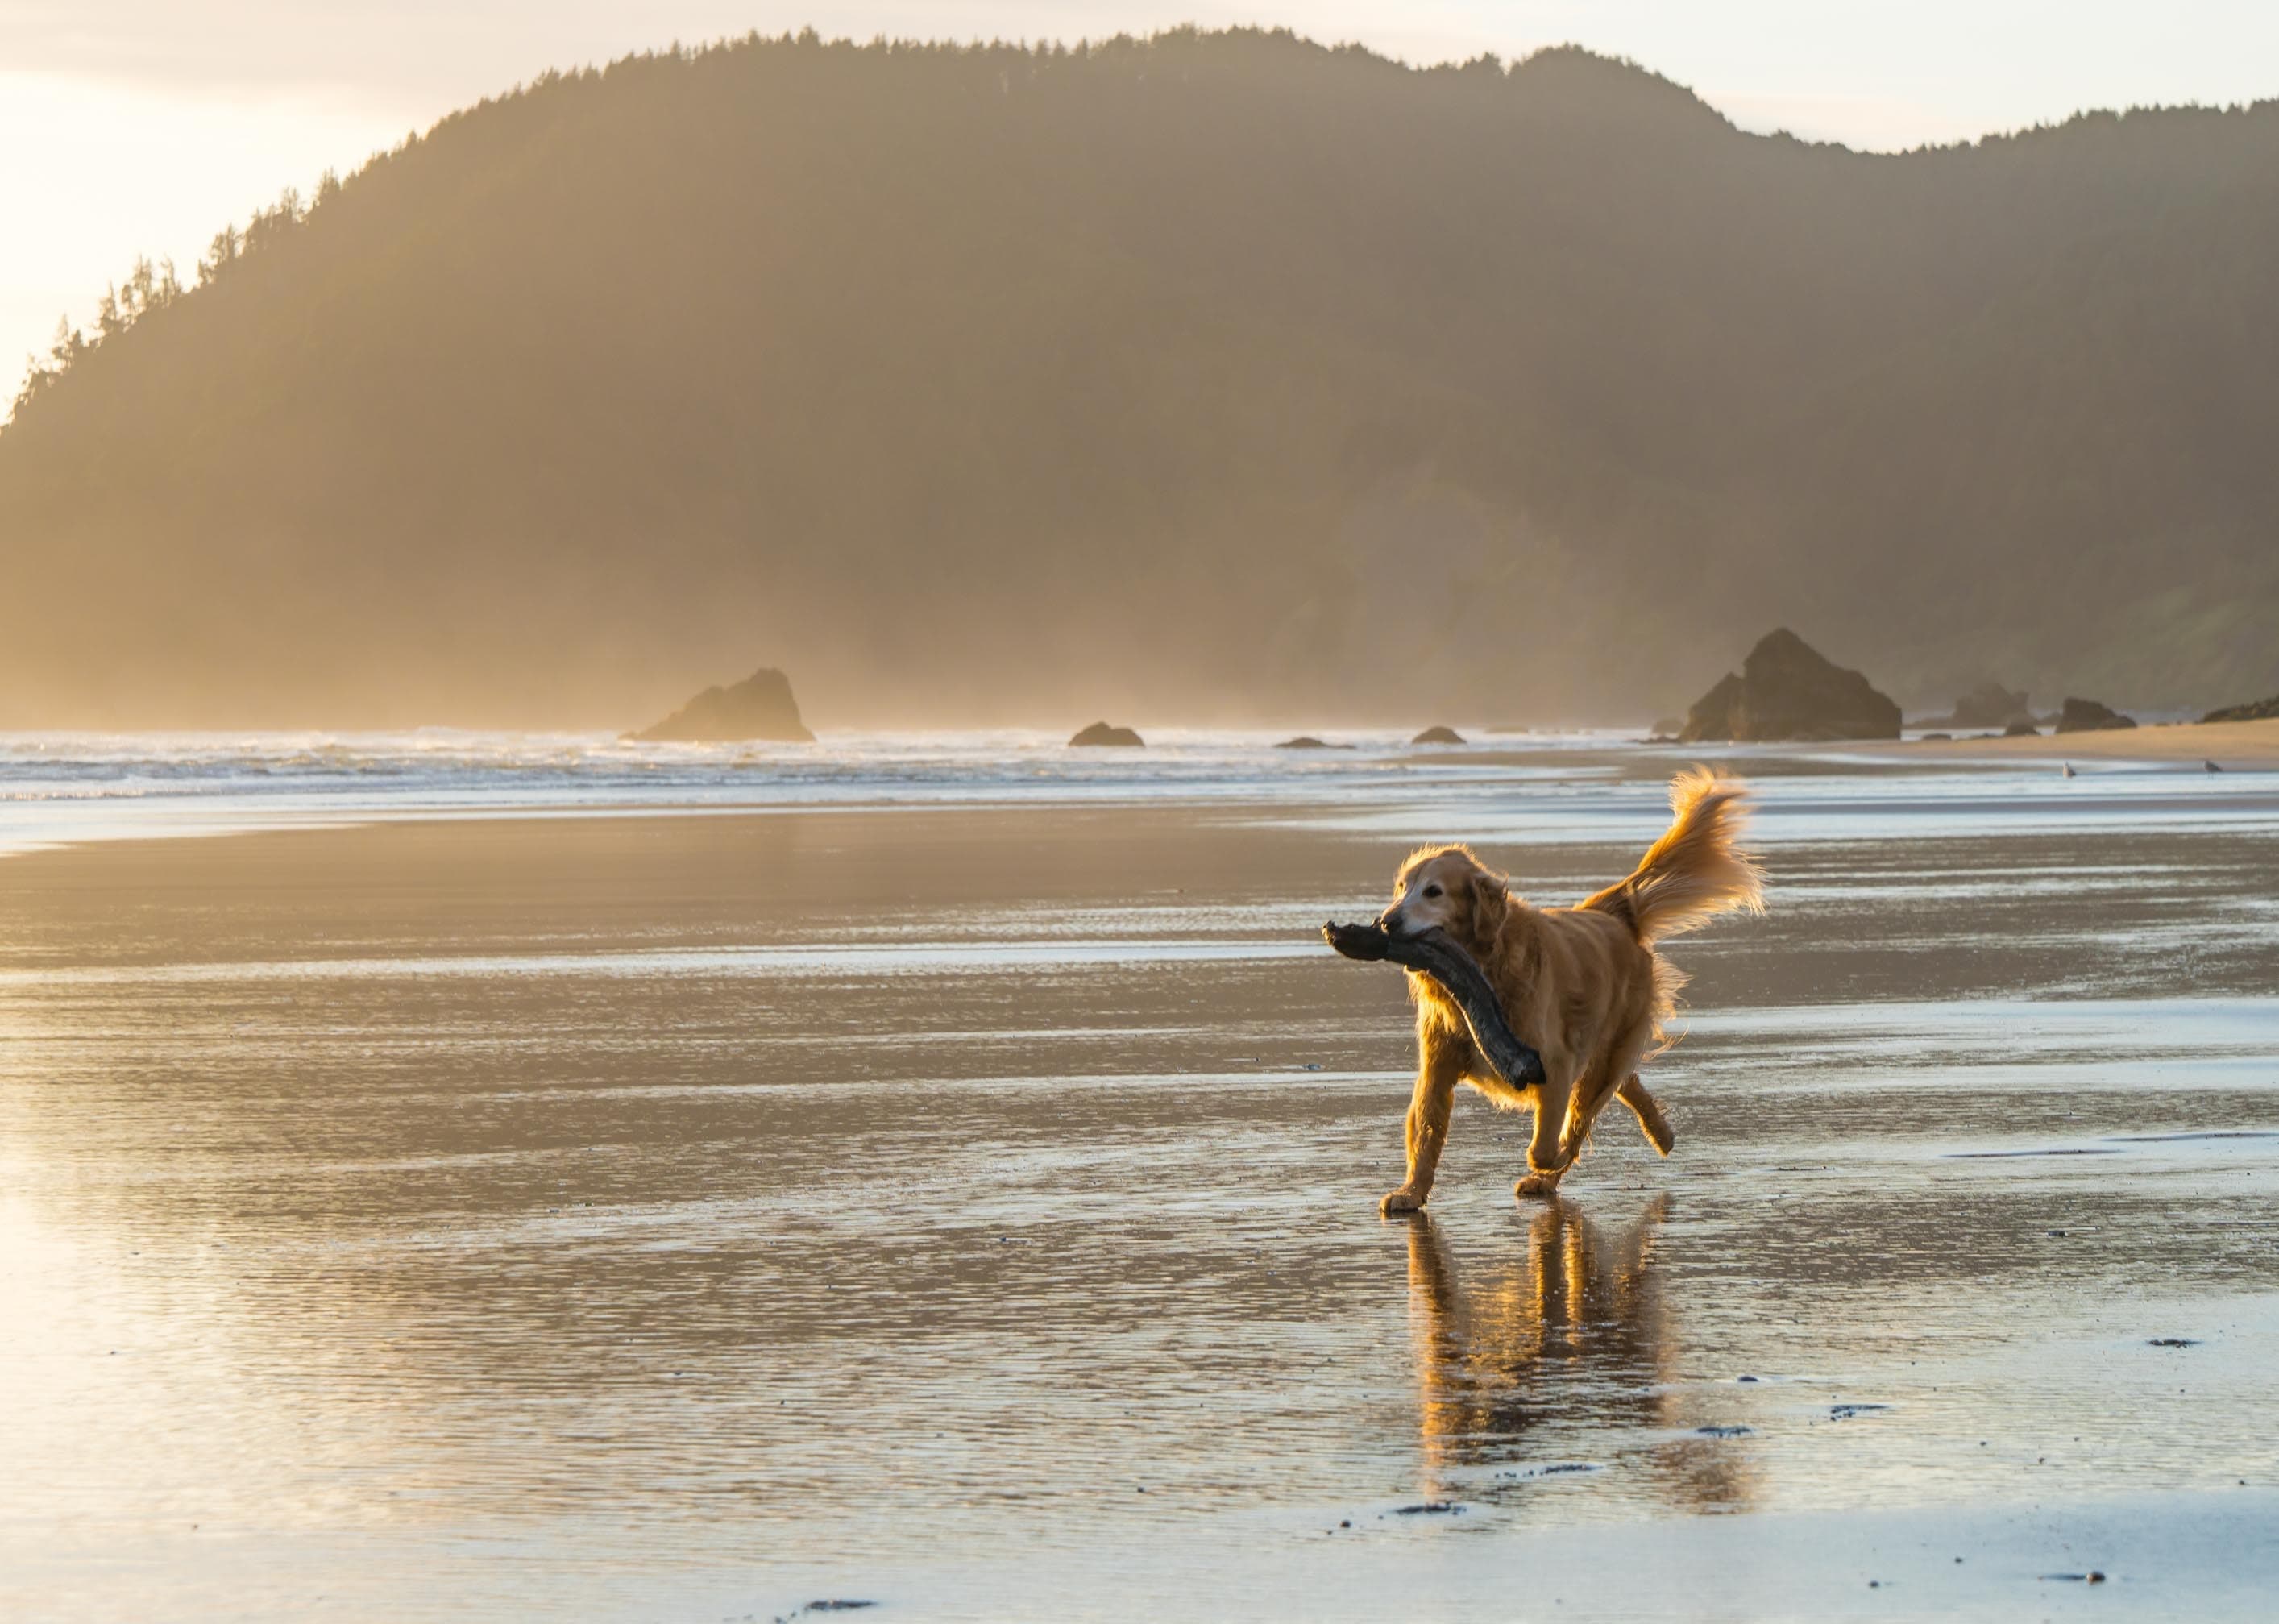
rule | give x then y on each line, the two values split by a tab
1432	890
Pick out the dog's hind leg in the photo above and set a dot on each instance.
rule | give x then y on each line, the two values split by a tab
1583	1112
1648	1112
1616	1069
1547	1156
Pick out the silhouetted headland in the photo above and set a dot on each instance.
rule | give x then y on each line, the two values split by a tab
1148	370
2261	710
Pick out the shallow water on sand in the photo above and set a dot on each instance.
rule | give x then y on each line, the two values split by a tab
974	1212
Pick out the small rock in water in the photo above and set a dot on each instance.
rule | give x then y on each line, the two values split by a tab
1430	1508
1844	1412
1724	1432
2175	1342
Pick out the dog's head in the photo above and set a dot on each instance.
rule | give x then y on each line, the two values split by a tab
1447	886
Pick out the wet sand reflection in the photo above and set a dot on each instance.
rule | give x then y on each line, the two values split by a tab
1541	1351
376	1201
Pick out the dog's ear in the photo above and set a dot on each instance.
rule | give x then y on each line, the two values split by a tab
1490	902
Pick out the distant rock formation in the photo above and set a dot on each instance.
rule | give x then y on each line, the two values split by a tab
2261	711
1786	689
1989	704
1101	734
2022	728
1306	740
759	707
1438	736
2088	716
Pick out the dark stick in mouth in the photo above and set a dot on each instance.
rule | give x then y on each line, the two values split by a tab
1438	955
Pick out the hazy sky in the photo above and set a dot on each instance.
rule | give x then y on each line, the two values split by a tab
142	126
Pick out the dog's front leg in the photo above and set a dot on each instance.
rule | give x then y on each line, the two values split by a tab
1441	1058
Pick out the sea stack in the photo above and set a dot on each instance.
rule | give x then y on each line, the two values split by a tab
1438	736
1101	734
759	707
1786	689
1991	704
2091	716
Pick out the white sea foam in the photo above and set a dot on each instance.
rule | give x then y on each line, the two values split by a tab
59	787
66	787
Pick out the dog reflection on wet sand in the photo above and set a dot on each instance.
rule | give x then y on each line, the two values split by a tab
1571	1341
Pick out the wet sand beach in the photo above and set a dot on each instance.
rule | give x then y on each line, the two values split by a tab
972	1211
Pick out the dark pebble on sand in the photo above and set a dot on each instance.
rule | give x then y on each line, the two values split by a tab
1724	1432
1844	1412
2175	1342
1430	1508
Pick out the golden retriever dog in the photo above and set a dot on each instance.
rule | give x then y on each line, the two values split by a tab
1582	986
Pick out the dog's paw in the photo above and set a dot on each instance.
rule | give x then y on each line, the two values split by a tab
1537	1184
1401	1200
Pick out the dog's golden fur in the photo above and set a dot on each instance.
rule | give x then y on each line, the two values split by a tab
1582	986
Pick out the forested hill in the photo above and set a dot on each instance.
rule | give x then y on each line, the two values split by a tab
1218	376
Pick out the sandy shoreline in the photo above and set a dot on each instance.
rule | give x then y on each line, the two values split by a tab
2235	746
973	1211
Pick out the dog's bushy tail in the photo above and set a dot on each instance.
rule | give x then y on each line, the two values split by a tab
1694	872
